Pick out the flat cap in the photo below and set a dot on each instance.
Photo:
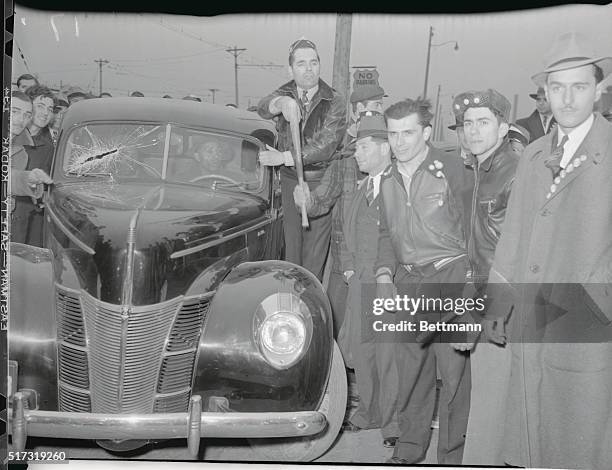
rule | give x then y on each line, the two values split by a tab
366	93
519	133
490	98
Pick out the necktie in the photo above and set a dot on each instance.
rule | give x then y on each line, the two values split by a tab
305	99
554	161
544	123
370	191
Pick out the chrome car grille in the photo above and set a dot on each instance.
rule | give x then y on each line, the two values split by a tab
139	360
176	371
73	360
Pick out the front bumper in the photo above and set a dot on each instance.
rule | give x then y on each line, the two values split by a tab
192	425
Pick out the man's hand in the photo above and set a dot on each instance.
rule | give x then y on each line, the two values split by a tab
38	176
302	196
36	179
273	157
385	288
289	108
462	346
494	331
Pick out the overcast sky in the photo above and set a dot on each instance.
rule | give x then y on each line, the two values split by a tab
159	54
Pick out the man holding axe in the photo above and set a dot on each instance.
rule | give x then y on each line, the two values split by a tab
311	122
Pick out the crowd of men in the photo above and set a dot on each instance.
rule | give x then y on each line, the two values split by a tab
517	211
520	215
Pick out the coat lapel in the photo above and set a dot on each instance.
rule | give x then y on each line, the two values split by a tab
542	176
350	219
589	154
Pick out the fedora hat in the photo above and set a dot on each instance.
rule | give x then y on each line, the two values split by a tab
371	124
539	94
569	51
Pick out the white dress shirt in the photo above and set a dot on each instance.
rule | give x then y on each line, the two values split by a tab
376	182
575	138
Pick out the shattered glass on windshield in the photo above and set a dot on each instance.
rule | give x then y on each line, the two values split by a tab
116	150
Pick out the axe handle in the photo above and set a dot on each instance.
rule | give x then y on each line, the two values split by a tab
299	166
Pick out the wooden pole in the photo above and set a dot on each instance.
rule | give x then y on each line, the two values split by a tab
437	111
294	125
342	54
515	107
431	33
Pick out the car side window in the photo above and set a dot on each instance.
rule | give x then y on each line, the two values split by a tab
211	157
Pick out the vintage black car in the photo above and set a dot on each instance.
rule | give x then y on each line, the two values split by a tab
158	308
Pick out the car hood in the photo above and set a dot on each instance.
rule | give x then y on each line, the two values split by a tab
104	219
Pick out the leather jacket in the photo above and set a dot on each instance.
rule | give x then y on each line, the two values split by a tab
323	127
427	225
493	182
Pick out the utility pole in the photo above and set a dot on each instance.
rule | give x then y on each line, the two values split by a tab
427	63
437	108
515	107
100	63
235	51
342	54
213	91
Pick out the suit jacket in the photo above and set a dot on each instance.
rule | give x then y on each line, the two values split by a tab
533	124
348	247
555	245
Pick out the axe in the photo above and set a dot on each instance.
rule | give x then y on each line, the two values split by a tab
299	166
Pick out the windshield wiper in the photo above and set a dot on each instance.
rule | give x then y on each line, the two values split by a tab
77	173
100	155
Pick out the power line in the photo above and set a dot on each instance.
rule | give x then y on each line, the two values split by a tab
121	69
235	52
192	36
170	58
207	41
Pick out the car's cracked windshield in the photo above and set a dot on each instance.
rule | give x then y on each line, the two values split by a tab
125	150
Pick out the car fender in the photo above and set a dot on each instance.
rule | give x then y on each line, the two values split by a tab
229	361
32	324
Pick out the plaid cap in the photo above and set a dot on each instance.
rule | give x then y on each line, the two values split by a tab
371	124
302	43
490	98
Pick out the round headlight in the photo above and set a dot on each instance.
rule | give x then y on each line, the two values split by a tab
283	333
282	329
